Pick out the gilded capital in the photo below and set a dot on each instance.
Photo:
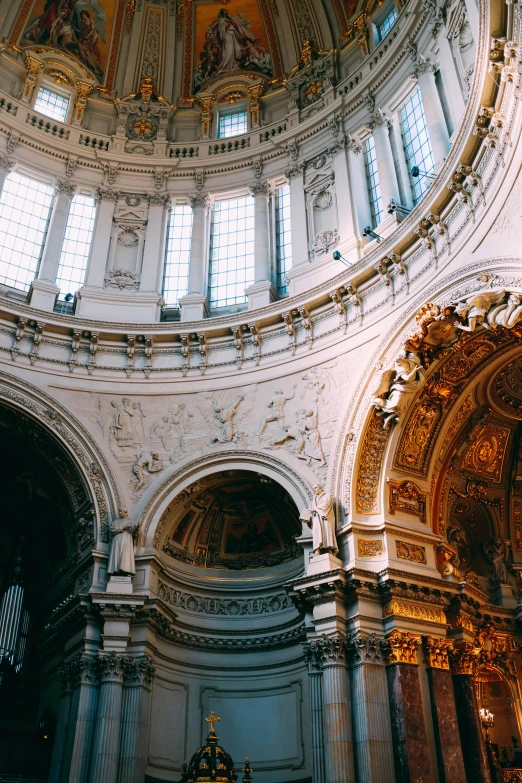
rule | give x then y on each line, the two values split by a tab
436	652
400	647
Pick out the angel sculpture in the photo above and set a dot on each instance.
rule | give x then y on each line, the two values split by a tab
398	386
507	314
474	309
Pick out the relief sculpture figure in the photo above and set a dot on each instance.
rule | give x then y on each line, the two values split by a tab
225	416
146	463
496	553
277	404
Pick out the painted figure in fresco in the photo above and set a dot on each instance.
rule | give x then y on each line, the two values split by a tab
76	26
230	44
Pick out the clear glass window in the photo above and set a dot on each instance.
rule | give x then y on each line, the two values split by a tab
51	104
231	251
25	206
76	244
177	258
283	237
417	144
387	25
372	177
232	124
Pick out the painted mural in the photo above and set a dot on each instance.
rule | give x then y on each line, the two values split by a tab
82	28
229	39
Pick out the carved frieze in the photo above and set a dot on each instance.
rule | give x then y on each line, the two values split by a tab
407	497
370	547
415	611
412	552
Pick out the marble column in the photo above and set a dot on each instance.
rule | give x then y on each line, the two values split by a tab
370	711
107	731
154	250
389	185
194	305
44	289
85	720
338	750
261	293
67	679
135	719
463	663
6	166
314	658
345	202
424	71
299	230
443	710
410	742
101	240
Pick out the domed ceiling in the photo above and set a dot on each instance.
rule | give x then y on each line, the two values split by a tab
232	520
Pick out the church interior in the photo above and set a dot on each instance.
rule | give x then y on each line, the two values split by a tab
261	391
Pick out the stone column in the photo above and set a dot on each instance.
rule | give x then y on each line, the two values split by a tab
6	166
67	679
345	202
154	250
424	71
44	289
314	658
295	177
262	292
410	743
138	674
85	720
194	305
106	743
338	751
463	664
363	215
444	713
389	185
370	711
101	241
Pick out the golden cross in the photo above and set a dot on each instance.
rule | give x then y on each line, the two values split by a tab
212	720
142	126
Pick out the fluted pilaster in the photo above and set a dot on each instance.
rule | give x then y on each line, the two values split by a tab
85	720
106	744
336	711
138	675
68	679
314	658
370	711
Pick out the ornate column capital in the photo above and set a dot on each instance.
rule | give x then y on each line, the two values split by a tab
313	655
137	671
260	189
464	659
353	145
423	65
66	187
378	119
364	648
295	171
199	200
400	647
437	652
106	194
333	649
6	163
111	667
159	199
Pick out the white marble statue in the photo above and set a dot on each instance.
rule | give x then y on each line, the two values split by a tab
321	518
121	556
398	386
507	314
474	309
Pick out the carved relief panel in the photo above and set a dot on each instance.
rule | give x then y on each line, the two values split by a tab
126	254
321	206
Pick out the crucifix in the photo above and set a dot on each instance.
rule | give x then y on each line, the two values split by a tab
212	720
142	126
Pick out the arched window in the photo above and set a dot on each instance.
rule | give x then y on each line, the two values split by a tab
25	206
231	251
76	244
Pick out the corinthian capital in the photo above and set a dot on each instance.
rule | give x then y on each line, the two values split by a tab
65	187
260	189
333	649
423	65
6	164
199	200
378	118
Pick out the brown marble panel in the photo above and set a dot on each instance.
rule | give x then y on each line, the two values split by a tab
410	744
471	739
445	726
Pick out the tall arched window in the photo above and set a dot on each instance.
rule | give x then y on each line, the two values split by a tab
231	251
76	244
25	206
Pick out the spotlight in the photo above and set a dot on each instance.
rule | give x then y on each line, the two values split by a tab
417	172
338	257
369	232
69	297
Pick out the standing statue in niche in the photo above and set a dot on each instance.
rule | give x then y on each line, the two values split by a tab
321	518
121	555
496	553
398	386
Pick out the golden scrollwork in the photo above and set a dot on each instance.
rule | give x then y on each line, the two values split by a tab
464	659
407	497
206	103
34	66
516	517
370	463
400	647
415	611
485	454
436	652
461	620
412	552
370	547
